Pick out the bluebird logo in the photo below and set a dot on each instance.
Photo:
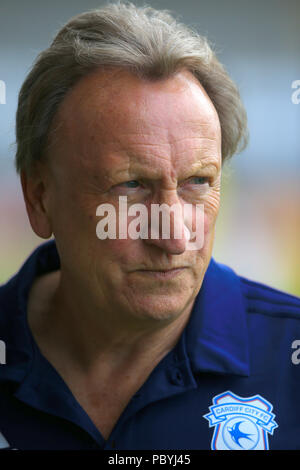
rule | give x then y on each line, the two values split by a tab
240	423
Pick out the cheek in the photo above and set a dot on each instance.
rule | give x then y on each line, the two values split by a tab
202	221
209	222
203	230
119	252
211	211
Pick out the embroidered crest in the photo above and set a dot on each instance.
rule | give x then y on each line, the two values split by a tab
240	423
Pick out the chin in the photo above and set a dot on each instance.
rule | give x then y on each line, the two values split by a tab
161	307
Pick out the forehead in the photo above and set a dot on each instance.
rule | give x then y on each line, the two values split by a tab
112	118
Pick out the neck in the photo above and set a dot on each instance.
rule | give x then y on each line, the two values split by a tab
78	333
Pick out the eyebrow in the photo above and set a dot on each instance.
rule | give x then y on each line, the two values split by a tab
209	164
210	167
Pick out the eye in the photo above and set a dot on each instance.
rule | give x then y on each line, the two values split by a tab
130	184
199	180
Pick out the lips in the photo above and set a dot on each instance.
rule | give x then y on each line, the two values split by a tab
162	269
162	274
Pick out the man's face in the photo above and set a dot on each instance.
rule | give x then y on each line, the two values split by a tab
154	142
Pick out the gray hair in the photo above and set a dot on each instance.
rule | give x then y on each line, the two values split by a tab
149	43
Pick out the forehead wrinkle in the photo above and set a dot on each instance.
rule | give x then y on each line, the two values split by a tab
136	168
148	152
90	129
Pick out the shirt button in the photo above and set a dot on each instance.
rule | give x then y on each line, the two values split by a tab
176	377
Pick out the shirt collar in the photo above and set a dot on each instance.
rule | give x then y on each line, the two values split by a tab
216	335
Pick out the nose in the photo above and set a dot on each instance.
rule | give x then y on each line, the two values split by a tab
166	228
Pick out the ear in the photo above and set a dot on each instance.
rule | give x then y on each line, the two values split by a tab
34	192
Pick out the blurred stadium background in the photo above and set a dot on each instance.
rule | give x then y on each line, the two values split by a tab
258	230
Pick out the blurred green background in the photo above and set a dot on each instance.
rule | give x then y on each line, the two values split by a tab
258	229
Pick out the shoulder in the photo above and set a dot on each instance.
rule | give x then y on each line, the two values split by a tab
8	298
257	297
265	300
32	276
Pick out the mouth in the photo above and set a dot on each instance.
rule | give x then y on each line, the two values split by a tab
162	274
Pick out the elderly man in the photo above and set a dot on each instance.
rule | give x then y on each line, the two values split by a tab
137	342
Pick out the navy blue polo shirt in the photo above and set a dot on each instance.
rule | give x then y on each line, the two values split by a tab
231	381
